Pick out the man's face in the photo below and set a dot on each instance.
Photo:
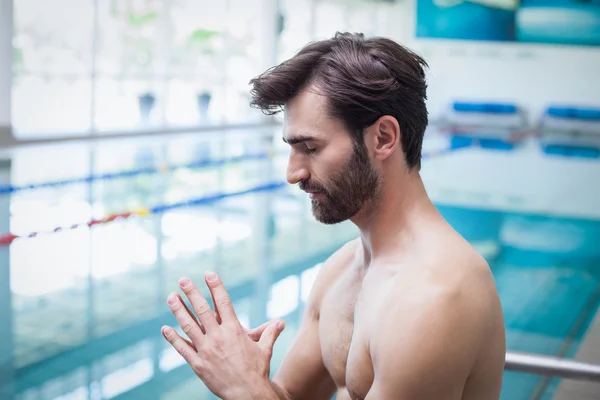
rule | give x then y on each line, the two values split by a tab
326	162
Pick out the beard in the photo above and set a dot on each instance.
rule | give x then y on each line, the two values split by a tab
347	192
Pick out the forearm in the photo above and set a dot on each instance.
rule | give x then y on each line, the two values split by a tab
280	392
277	391
264	391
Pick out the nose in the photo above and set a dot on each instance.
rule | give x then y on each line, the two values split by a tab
296	170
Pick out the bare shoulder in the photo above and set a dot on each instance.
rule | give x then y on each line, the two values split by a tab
330	271
435	299
437	318
460	288
468	278
456	273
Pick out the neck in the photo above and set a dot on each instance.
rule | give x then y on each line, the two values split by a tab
402	207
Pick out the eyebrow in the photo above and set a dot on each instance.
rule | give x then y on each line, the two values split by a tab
298	139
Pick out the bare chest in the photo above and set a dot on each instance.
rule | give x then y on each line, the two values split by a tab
344	335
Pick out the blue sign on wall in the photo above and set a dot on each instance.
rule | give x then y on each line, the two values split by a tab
573	22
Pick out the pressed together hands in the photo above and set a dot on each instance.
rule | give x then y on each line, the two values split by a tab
232	361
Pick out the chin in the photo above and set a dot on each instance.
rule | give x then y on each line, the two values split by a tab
327	221
328	218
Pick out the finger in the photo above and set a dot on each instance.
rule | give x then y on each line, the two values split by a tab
192	345
256	333
182	315
270	335
189	342
179	344
199	305
191	315
222	301
217	316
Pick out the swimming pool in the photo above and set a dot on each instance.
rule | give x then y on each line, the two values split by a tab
88	325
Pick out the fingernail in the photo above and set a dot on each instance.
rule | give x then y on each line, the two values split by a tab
211	276
167	331
172	300
184	282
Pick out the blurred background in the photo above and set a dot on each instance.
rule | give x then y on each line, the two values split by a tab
129	157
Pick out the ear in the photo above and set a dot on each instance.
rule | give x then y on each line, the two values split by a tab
386	135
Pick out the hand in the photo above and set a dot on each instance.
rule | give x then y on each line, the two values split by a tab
230	360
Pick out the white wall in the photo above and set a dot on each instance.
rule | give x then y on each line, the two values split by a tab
5	60
531	75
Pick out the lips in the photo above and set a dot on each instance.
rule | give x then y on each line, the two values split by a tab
313	192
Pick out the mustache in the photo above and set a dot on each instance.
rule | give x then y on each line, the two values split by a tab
312	187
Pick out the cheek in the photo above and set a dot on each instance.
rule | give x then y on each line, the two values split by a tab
329	163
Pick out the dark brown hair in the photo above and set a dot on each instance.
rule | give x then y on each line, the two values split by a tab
363	79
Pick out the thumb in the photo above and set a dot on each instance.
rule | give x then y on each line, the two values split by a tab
256	333
270	335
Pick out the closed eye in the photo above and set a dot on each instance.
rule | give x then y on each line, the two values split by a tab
304	144
305	148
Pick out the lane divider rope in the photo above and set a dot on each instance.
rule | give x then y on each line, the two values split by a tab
135	172
8	238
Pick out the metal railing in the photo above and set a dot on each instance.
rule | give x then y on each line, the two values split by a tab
8	140
552	366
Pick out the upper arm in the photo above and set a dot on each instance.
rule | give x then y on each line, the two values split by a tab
424	349
302	373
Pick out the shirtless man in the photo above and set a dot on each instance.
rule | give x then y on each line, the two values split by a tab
409	310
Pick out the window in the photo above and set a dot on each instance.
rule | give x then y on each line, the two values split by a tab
52	66
82	66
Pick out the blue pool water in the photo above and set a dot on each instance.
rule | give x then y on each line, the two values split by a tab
86	305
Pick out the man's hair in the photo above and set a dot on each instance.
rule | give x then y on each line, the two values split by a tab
363	79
